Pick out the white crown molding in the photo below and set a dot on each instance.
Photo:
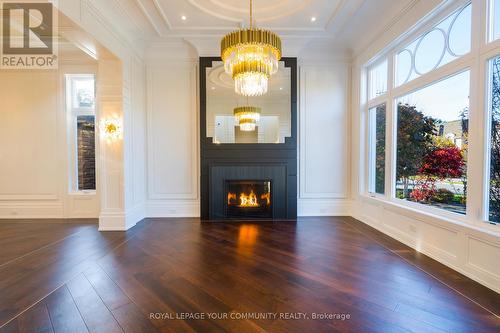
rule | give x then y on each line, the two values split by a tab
394	21
126	13
148	16
174	50
342	7
209	46
162	14
132	47
213	13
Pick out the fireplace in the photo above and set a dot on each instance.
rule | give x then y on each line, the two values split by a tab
228	168
248	199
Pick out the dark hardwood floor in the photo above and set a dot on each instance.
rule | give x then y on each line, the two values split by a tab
71	278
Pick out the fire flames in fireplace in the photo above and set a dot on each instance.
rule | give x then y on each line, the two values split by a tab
248	199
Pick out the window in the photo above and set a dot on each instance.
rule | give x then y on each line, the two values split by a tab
431	152
494	144
377	80
426	139
81	131
445	42
494	20
377	149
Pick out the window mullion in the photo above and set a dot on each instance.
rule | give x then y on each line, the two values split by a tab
377	101
476	186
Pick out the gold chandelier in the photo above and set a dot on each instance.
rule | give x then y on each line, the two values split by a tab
251	56
247	117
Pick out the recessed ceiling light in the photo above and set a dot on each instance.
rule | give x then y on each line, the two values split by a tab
213	88
183	17
281	88
313	19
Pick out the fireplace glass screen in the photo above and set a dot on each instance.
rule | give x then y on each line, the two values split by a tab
248	199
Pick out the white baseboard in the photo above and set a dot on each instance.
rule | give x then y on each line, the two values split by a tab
134	215
31	210
173	208
112	221
323	207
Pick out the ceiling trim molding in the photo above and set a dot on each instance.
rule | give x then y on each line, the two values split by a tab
215	29
352	11
115	33
119	5
286	13
162	14
149	18
214	14
394	20
335	13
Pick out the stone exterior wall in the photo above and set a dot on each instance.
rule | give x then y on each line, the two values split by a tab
86	153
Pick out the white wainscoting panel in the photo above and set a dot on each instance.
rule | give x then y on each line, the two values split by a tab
172	131
323	140
29	160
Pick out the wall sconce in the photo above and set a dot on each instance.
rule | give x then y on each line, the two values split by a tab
112	129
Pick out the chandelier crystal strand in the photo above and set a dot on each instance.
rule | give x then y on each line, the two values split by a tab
251	56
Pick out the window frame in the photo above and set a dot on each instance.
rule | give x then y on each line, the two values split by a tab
372	67
482	49
487	58
372	135
72	114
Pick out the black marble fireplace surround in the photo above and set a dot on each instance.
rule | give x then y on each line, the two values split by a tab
220	163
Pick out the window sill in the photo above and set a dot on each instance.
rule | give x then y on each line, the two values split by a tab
83	193
399	207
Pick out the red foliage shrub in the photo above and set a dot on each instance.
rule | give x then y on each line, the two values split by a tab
424	190
446	162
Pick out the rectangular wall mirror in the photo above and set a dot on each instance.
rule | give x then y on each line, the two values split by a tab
274	124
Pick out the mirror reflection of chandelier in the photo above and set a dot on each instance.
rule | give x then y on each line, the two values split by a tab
247	117
248	125
251	56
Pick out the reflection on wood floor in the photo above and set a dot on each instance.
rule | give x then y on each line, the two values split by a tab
170	275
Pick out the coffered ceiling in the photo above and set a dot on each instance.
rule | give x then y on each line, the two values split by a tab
333	20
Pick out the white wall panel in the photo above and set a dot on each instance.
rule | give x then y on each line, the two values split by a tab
33	149
480	255
173	138
29	163
323	139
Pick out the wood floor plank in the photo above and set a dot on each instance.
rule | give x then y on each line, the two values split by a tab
17	243
132	320
94	312
11	327
63	312
107	290
36	319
